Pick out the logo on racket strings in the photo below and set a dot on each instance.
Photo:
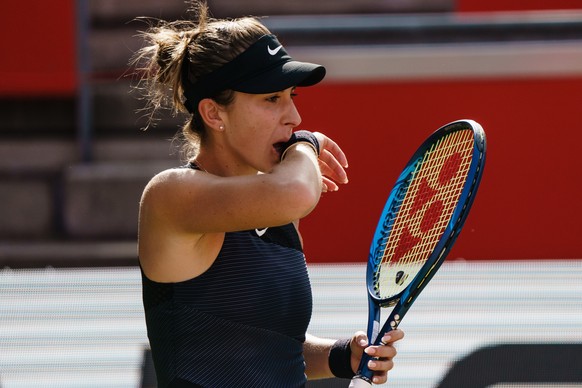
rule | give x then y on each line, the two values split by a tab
425	203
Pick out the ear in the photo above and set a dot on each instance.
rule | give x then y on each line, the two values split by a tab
210	112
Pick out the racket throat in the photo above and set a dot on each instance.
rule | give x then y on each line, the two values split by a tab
374	317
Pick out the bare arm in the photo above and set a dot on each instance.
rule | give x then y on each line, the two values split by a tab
195	202
184	213
316	353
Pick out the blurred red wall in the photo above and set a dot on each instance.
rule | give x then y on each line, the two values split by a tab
530	201
38	48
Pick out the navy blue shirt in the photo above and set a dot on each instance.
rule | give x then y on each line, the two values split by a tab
242	323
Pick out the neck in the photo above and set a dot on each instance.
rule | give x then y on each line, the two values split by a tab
213	163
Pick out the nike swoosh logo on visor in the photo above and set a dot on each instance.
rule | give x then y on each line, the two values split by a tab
275	50
261	232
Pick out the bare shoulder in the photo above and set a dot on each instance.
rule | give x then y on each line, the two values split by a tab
163	202
170	187
170	180
168	250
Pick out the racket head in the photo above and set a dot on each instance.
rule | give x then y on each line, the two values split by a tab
425	211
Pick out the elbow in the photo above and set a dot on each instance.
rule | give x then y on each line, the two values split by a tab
302	196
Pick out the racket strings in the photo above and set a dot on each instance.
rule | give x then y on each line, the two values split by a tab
424	210
429	171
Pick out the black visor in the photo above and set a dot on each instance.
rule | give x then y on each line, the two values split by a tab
265	67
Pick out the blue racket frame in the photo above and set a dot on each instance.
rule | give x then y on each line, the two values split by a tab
404	299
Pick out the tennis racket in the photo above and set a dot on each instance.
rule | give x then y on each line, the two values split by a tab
421	220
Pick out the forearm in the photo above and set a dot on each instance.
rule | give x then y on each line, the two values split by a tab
300	159
300	175
316	353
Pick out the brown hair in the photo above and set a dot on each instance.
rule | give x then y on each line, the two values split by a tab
207	44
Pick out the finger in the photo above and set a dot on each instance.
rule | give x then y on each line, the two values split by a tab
380	365
392	336
361	339
386	340
380	378
331	146
328	173
382	353
385	351
331	167
328	185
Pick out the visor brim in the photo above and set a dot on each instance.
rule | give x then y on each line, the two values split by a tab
288	74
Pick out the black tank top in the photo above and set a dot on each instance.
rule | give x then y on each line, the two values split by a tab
242	323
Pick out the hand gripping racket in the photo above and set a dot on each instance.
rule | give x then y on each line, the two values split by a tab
420	222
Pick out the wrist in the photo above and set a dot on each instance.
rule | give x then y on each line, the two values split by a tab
302	136
340	359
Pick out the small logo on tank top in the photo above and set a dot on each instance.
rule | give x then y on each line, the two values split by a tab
261	232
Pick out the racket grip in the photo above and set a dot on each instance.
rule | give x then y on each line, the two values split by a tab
363	379
359	382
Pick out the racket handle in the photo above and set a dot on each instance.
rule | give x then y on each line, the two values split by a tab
363	379
359	382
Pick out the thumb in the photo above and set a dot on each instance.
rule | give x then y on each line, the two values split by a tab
357	346
360	340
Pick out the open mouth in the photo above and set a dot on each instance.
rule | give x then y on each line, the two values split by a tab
279	147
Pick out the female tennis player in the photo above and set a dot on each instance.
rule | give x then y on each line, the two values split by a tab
226	291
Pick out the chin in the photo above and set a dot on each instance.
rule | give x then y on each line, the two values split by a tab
270	166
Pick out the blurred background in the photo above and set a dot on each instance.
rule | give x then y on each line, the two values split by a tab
74	160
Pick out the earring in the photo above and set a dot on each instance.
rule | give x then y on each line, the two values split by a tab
221	127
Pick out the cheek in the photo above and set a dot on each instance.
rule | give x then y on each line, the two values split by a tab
260	123
253	121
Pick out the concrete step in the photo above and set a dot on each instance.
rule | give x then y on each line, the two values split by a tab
69	254
118	110
46	192
101	200
36	156
27	208
47	115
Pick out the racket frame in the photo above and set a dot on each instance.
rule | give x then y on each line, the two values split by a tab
403	300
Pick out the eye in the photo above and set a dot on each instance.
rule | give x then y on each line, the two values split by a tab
273	98
278	96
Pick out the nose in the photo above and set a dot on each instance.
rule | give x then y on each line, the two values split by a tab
293	118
